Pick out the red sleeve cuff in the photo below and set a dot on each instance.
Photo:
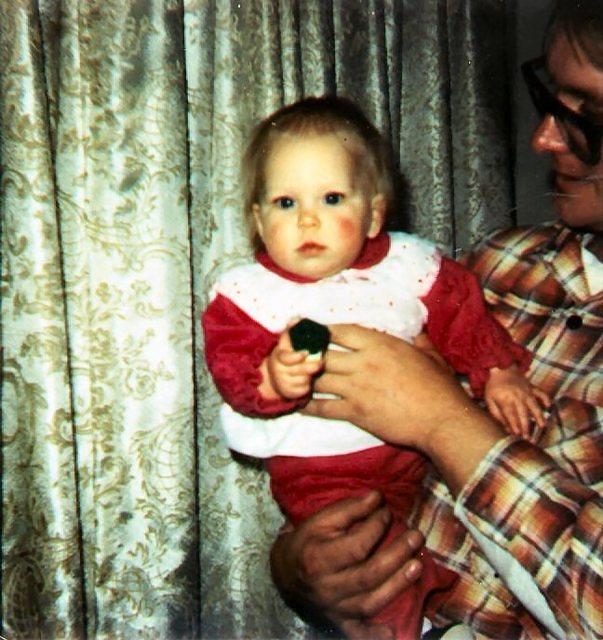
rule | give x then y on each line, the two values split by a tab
235	346
459	325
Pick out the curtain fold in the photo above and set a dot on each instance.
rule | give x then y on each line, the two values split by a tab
121	128
40	510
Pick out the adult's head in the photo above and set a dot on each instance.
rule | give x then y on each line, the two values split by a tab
316	116
581	22
571	129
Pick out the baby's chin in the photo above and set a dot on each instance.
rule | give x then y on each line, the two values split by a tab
312	269
318	273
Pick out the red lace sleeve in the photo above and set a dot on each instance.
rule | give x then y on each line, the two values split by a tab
235	346
469	338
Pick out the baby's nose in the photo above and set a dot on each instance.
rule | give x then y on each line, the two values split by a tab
307	218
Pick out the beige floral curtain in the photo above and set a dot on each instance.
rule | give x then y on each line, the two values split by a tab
121	127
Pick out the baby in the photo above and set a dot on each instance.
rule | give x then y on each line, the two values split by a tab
318	186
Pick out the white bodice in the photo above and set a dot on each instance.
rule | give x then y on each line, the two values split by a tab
385	296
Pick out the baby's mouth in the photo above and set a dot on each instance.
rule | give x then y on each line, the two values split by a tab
311	248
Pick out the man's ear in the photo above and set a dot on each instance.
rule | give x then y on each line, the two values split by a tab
378	211
255	209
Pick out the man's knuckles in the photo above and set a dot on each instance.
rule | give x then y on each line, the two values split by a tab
311	563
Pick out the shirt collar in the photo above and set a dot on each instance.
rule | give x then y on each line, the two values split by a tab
563	254
373	251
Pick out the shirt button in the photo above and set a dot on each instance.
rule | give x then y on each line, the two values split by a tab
573	323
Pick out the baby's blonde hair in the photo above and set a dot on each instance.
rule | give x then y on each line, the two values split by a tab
324	115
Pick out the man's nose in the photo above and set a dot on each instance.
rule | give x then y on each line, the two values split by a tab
307	218
548	138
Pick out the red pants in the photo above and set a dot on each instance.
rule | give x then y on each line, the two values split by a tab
303	486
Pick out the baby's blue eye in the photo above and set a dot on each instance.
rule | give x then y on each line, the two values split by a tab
333	198
284	203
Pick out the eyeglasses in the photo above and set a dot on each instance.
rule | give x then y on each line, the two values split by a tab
582	136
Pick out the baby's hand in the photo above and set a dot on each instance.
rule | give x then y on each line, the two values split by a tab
286	372
512	400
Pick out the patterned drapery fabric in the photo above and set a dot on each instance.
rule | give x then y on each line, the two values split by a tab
121	128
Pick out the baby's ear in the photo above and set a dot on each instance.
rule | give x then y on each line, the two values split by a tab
255	209
378	211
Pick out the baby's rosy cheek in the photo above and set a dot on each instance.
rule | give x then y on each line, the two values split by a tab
347	228
277	233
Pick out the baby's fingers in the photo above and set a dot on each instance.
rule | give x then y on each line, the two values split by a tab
298	364
303	369
542	396
291	358
296	386
495	411
514	417
535	409
521	418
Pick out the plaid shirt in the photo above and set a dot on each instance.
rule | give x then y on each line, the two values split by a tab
542	504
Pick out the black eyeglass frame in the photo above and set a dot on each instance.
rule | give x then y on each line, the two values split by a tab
546	103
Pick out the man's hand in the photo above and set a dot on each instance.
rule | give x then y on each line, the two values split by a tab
389	388
326	564
423	343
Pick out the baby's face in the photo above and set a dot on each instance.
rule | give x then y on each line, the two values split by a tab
316	212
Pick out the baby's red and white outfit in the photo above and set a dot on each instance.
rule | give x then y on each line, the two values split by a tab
400	284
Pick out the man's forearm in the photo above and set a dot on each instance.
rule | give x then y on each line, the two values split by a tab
458	446
524	506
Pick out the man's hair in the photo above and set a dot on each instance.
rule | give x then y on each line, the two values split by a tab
581	21
323	115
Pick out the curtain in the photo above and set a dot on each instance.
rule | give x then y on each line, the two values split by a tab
121	128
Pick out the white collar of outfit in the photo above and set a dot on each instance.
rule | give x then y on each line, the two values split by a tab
593	270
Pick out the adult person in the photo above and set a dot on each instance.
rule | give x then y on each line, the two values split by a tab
535	512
